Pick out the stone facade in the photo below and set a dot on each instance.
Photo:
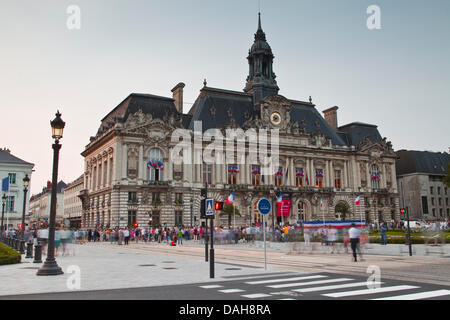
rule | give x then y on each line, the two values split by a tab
73	209
122	187
422	191
15	169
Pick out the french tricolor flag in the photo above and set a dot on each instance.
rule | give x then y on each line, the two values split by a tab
357	200
230	198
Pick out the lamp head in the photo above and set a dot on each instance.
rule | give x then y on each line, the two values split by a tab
57	126
26	181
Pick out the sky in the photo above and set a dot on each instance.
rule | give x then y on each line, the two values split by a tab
396	77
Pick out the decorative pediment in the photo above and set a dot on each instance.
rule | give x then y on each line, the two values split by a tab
375	150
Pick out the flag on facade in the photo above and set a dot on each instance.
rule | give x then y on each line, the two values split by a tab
230	198
280	198
286	177
5	184
321	201
357	200
307	180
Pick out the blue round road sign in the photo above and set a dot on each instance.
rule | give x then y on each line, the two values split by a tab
264	206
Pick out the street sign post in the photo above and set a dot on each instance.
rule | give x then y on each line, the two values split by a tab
210	207
264	208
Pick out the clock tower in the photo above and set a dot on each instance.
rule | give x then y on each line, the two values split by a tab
261	78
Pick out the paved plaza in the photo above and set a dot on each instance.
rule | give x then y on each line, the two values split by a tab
105	266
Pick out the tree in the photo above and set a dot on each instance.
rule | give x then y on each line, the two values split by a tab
230	211
343	208
446	179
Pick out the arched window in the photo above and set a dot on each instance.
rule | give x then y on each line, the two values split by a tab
374	177
256	175
155	165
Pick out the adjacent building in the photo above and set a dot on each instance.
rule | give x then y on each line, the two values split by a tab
40	205
422	191
15	170
130	174
72	203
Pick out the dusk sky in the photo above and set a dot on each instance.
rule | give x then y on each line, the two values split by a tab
397	77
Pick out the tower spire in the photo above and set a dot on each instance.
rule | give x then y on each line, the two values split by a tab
260	35
261	79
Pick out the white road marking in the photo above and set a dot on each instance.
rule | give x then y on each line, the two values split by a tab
416	296
231	290
256	295
299	284
337	286
285	280
368	291
213	286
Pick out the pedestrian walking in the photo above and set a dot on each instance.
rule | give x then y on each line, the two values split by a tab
354	235
383	229
126	235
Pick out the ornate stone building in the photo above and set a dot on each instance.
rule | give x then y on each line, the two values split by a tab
130	174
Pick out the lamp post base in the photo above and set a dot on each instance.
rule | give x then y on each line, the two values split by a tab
49	268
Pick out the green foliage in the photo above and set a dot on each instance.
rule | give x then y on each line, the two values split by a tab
344	208
230	212
8	255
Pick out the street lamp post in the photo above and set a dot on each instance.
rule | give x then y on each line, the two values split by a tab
3	212
26	182
50	267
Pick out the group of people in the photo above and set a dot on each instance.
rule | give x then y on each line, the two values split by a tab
169	235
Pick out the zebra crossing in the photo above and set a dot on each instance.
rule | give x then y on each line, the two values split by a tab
323	286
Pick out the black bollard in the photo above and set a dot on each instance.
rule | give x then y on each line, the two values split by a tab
29	250
22	246
37	254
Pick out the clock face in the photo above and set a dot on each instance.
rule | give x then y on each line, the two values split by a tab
275	118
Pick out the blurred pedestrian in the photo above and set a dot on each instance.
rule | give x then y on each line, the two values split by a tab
354	235
383	229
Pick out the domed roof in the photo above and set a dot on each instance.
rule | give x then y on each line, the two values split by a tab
260	44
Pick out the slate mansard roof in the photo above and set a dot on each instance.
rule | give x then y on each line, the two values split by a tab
7	157
215	108
433	163
219	108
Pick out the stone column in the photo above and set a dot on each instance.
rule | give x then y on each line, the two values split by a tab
393	177
327	174
368	175
124	162
383	179
291	172
345	178
169	166
141	165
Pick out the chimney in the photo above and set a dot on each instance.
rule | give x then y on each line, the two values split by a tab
330	116
178	96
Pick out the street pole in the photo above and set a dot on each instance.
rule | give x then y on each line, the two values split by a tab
211	252
409	233
264	235
3	213
50	267
206	223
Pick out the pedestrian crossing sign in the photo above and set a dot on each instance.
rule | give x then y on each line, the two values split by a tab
210	207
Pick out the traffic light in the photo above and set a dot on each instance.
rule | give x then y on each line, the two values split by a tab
218	205
402	212
135	224
202	209
203	193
